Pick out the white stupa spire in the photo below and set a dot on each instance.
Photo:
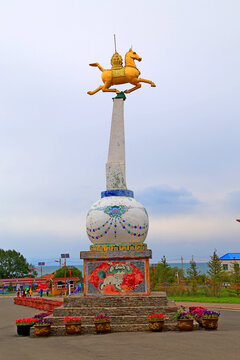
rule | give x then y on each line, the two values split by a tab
115	167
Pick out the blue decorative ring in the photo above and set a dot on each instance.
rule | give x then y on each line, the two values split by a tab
128	193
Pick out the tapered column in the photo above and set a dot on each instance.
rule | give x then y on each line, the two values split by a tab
115	167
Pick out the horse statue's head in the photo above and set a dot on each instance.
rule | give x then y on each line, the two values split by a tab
133	55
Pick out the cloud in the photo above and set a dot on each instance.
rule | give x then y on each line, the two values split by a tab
166	200
232	202
193	234
42	225
192	227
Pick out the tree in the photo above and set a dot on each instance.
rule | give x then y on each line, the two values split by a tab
181	276
226	277
60	273
167	273
13	265
202	279
164	261
162	273
236	278
215	273
193	275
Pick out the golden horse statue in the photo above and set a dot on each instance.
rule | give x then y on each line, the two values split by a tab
119	74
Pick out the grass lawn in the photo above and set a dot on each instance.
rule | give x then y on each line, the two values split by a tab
225	297
210	299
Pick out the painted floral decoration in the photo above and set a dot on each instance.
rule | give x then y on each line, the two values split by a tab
115	211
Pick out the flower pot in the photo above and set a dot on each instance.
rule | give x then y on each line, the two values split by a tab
156	325
102	327
73	329
43	330
23	330
210	324
185	324
199	320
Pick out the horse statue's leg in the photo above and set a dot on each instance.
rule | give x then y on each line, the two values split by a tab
96	90
106	87
137	86
146	81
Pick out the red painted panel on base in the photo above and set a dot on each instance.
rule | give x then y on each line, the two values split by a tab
116	277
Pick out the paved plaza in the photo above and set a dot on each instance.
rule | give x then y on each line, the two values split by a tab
199	344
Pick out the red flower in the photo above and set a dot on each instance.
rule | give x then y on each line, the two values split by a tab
158	316
72	320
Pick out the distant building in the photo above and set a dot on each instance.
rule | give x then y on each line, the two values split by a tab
22	283
228	261
59	285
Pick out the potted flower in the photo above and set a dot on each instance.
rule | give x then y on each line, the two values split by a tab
73	325
197	311
43	327
210	319
43	315
24	325
102	323
184	319
156	322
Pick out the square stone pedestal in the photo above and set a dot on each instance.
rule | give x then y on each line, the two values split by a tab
117	284
116	270
127	313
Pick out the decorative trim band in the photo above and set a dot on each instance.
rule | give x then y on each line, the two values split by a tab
135	254
118	247
122	192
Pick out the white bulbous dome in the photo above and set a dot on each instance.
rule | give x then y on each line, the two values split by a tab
117	220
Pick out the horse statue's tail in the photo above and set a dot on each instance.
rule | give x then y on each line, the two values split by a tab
99	66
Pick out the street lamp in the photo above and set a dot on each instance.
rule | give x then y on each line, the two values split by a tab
70	267
41	263
31	269
59	261
65	256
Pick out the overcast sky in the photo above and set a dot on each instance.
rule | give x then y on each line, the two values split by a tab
182	137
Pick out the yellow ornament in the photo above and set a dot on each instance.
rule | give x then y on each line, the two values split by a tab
116	61
120	74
